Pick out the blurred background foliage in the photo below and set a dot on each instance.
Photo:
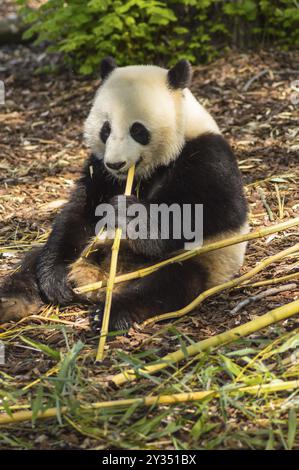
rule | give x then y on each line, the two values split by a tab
160	32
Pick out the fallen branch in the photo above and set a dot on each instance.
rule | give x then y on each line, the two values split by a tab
112	274
265	204
253	79
190	254
156	400
262	295
274	316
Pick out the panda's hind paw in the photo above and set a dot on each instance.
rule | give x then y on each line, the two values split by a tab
83	272
120	320
14	307
96	318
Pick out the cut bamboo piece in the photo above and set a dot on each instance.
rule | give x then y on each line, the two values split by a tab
190	254
276	315
154	400
112	274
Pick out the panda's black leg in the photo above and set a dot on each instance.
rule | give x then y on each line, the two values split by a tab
165	290
19	293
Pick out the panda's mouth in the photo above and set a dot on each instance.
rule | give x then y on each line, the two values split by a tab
125	171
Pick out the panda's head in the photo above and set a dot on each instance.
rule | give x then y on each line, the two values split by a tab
138	116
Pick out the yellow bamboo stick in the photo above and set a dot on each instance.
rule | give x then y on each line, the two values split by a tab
278	314
155	400
112	274
226	285
268	282
50	372
190	254
26	415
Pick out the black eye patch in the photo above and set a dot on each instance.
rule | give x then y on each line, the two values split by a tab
140	133
105	131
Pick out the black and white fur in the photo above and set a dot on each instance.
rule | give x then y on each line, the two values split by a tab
144	115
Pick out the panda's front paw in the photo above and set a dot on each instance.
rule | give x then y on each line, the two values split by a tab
121	199
96	317
121	205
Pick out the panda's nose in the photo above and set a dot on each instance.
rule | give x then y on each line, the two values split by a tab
116	165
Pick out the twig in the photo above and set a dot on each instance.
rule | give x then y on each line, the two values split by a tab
112	274
155	400
261	295
276	315
221	287
265	204
54	320
289	176
280	201
190	254
253	79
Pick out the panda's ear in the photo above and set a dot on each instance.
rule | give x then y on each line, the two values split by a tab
107	66
179	76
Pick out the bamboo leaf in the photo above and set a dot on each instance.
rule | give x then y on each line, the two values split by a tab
37	404
291	343
231	366
292	427
41	347
270	443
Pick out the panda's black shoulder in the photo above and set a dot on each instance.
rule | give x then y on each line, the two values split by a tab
210	159
211	176
211	149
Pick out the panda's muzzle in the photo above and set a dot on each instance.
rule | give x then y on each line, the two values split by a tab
120	167
115	166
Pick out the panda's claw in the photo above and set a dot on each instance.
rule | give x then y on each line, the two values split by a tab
96	318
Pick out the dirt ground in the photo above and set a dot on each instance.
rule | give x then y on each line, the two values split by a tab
41	152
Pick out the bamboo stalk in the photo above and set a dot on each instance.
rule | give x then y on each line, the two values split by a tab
268	282
190	254
112	274
155	400
226	285
278	314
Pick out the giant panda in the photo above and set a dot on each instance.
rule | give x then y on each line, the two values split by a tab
148	116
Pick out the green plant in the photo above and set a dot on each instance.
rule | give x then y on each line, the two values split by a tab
158	31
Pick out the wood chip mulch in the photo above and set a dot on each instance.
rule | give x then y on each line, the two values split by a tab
253	100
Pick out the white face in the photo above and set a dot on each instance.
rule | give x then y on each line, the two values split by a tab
136	119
